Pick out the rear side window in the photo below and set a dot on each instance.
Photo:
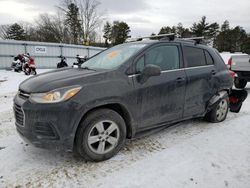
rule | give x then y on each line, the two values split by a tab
166	57
194	56
209	58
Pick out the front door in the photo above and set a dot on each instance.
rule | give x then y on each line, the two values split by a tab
161	97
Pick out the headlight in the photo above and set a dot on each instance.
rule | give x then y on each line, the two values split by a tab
55	96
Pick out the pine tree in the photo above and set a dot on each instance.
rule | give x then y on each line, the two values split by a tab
15	32
178	30
238	37
167	30
203	28
182	32
246	45
225	26
213	30
232	40
120	32
73	22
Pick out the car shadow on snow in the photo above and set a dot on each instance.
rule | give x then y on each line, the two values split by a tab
148	142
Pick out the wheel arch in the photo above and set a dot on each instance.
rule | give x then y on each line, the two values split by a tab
219	95
117	107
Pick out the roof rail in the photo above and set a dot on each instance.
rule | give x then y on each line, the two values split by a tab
170	36
196	40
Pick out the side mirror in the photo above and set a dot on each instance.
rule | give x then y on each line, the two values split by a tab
149	71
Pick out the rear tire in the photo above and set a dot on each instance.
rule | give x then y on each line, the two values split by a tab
219	111
100	135
240	83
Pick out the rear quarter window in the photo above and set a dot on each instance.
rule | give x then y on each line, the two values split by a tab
209	58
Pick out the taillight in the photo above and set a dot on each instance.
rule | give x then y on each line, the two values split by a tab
229	63
233	99
233	74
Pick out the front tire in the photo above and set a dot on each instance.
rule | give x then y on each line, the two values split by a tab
101	135
240	83
219	111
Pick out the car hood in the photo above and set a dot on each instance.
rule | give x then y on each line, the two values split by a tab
57	79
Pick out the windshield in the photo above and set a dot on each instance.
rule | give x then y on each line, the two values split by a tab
113	57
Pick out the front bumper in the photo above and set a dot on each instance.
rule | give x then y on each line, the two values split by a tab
51	126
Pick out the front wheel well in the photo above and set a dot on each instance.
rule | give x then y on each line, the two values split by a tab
120	109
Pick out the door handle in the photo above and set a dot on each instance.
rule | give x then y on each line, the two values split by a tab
213	72
180	79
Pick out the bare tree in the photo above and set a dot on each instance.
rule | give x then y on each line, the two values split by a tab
49	28
90	17
29	30
61	28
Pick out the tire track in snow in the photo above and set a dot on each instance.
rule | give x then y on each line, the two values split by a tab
7	124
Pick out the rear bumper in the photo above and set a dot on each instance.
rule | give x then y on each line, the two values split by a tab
50	126
236	99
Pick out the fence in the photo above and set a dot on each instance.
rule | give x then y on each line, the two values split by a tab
46	54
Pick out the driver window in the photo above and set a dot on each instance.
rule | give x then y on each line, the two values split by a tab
166	57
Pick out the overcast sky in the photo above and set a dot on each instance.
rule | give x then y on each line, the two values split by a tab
143	16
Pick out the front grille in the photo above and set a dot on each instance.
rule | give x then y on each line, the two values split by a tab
19	115
23	94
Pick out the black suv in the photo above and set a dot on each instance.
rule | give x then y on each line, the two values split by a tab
120	92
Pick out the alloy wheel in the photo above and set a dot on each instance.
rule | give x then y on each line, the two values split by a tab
222	110
103	137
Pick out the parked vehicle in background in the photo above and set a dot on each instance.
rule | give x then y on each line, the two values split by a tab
79	61
17	63
29	68
62	63
123	91
240	64
25	63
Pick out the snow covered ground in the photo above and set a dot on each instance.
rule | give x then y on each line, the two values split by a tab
190	154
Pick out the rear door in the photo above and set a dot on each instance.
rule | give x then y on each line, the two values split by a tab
161	97
201	72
